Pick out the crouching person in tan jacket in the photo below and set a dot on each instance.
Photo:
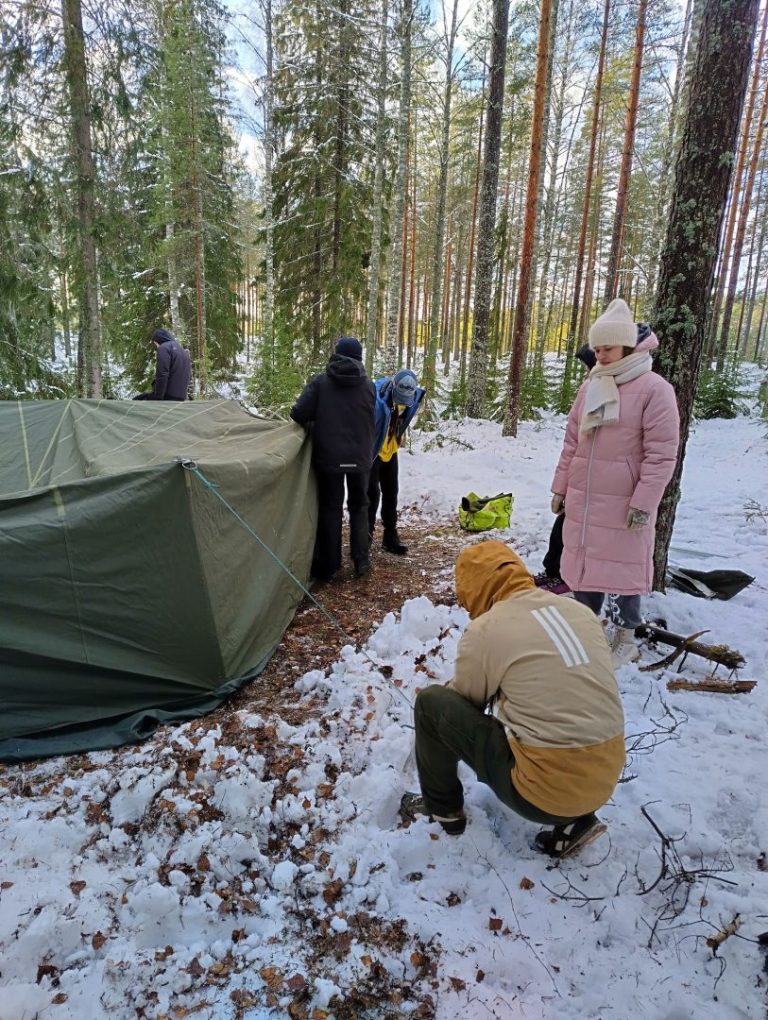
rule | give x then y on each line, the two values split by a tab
552	747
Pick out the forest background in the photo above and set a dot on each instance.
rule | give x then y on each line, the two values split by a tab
462	186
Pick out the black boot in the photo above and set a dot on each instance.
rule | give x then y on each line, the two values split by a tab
391	542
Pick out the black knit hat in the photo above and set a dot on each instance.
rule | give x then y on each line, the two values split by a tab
586	355
350	348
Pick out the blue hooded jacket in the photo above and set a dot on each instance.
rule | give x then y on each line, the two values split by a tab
383	412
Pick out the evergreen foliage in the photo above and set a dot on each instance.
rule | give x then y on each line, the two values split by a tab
717	395
324	114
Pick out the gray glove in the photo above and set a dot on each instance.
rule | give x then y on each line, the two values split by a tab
558	503
637	519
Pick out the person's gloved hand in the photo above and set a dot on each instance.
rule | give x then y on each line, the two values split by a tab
558	503
637	519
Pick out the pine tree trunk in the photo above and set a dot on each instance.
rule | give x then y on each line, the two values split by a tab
395	251
622	197
571	346
702	175
404	262
65	319
552	202
471	252
738	245
478	368
378	193
760	216
89	342
412	296
435	336
268	316
734	198
522	304
669	144
198	256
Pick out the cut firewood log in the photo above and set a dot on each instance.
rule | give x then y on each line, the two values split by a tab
713	685
721	654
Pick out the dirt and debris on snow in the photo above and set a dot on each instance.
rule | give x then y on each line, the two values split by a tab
251	864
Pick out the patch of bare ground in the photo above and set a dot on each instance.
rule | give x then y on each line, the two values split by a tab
358	604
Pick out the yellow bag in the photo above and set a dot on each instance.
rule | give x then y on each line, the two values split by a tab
481	513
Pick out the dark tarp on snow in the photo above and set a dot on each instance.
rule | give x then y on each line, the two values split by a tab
129	594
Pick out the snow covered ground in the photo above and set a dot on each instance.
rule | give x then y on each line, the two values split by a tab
257	869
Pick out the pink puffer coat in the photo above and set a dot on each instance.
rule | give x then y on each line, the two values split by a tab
603	473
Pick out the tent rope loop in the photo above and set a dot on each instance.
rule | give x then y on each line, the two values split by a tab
191	466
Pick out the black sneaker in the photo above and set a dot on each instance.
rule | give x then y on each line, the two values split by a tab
412	805
564	840
391	543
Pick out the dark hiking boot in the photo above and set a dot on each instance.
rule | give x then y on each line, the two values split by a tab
323	576
391	542
362	567
412	805
564	840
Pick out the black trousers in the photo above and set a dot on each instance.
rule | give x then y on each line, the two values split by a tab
383	484
330	495
555	550
450	729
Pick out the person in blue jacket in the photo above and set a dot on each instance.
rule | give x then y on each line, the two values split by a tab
397	401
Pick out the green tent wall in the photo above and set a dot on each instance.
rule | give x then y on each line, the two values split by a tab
129	593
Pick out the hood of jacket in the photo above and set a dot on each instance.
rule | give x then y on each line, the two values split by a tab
346	371
488	572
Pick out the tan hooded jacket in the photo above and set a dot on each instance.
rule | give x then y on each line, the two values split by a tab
545	665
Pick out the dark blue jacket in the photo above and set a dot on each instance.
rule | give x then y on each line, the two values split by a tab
339	404
384	412
174	370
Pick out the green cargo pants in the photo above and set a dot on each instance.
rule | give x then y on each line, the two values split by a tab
449	729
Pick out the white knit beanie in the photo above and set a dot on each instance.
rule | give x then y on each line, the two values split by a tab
615	327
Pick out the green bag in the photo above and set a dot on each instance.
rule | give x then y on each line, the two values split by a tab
481	513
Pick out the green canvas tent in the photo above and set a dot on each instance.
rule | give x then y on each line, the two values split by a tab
129	593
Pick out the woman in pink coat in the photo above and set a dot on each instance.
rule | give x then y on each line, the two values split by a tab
619	453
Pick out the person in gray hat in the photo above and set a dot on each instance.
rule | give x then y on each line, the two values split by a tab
398	398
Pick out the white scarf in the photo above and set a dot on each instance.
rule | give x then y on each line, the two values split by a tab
602	403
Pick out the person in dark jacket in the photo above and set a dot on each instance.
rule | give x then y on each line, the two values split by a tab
338	404
173	370
398	398
550	577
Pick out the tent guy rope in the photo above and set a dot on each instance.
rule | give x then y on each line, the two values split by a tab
191	466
